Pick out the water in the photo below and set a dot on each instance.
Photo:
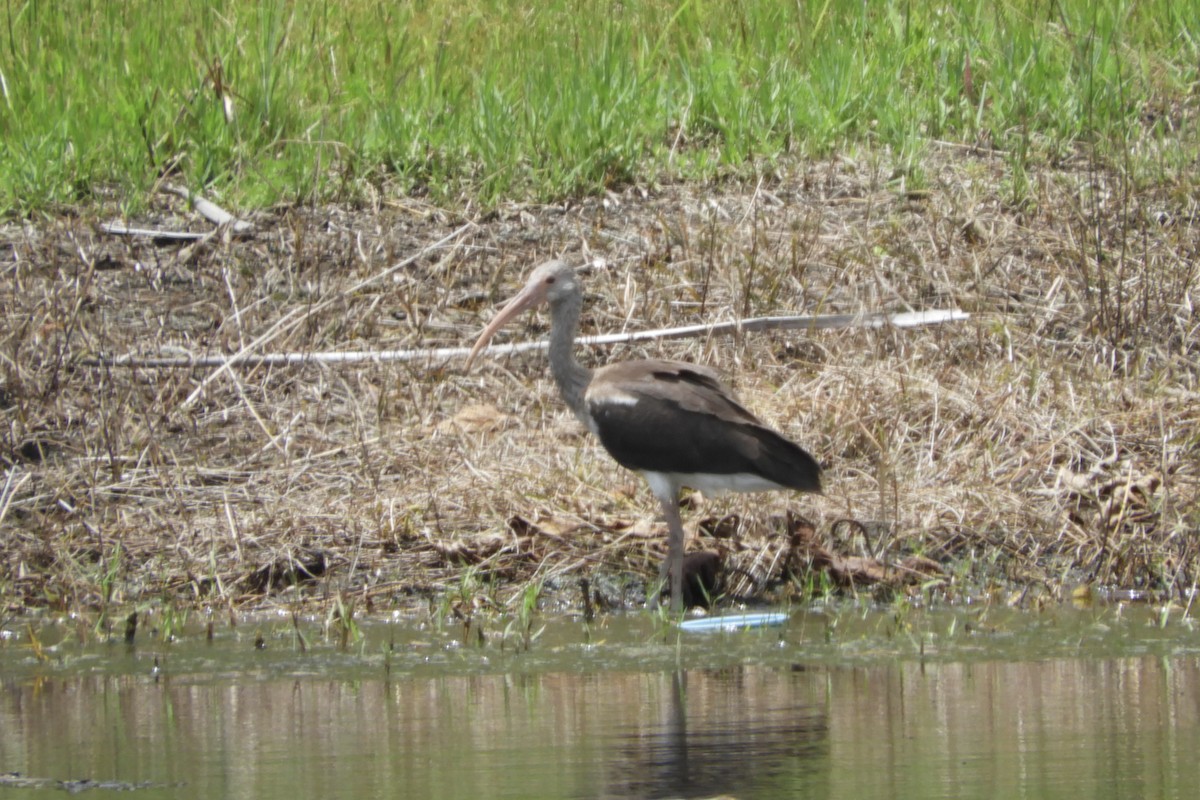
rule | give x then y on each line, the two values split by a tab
849	704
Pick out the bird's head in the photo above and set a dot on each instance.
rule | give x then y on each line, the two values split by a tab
551	282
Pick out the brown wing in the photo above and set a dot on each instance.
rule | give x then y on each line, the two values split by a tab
666	416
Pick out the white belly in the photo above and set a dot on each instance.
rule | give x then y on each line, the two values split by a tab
669	483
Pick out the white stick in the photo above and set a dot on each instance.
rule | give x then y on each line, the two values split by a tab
244	357
208	209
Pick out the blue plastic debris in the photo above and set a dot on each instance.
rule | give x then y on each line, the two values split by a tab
734	622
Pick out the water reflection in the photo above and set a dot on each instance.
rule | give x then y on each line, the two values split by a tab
778	722
718	739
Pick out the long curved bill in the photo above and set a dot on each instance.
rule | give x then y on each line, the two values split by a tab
530	297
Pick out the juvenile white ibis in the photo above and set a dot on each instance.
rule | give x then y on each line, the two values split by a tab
673	422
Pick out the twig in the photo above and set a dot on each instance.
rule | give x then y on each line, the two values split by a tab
208	209
117	229
243	357
14	479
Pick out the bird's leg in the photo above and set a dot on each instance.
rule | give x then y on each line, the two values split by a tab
661	582
674	565
655	589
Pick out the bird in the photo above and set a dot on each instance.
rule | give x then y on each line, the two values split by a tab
674	422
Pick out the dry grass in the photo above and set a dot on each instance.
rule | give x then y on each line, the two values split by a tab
1050	442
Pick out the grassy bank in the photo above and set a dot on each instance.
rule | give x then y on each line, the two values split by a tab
336	101
1047	446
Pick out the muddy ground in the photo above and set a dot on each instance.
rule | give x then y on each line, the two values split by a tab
1047	447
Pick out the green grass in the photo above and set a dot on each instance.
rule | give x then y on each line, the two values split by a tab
489	100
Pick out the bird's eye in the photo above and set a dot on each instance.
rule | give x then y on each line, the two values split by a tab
550	280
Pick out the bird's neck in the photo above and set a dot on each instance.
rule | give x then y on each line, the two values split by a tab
571	376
